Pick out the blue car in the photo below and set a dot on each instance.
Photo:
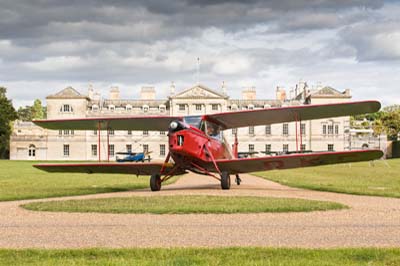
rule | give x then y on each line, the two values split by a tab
133	157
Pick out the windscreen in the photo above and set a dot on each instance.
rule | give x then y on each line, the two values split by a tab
193	120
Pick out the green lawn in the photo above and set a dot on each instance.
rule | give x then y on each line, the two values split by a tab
380	178
185	204
19	180
203	256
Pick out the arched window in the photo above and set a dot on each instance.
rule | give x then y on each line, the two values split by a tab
145	108
32	150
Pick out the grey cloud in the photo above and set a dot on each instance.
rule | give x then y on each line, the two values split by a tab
147	20
374	41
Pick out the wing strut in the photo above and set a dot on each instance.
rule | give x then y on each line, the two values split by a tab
108	142
98	139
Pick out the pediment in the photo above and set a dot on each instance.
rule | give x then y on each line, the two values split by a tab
67	93
328	91
199	91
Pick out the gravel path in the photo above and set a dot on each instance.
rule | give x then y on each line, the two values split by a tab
371	222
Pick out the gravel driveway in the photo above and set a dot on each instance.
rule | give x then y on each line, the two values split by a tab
370	222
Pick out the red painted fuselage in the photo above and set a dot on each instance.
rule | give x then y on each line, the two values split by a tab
191	145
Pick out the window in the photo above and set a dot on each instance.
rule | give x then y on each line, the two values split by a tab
129	132
251	131
111	108
251	147
303	147
145	148
198	107
285	129
234	131
72	132
303	129
324	129
129	148
94	150
182	107
32	151
268	130
162	149
60	132
285	148
330	147
336	129
66	132
145	108
67	108
128	107
95	132
214	107
330	129
162	133
95	108
145	132
250	107
267	148
162	108
111	149
111	132
66	150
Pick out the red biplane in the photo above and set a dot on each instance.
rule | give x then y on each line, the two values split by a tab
197	144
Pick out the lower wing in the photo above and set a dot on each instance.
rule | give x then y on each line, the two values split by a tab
295	160
111	168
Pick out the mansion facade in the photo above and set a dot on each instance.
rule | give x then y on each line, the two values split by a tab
30	142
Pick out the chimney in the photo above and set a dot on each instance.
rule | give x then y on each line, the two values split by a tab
114	93
90	91
172	89
249	93
280	93
148	93
223	88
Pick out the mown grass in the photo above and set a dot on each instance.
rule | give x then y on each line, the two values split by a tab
185	204
204	256
378	178
19	180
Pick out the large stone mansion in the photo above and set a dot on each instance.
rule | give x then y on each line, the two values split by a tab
30	142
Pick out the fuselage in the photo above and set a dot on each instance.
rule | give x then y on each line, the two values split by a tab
198	144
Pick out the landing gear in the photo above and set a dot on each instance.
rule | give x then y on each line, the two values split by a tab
225	180
238	180
155	182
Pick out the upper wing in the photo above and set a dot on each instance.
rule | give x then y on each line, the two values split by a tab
292	113
155	123
295	160
112	168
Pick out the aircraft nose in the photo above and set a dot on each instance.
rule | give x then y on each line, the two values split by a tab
175	126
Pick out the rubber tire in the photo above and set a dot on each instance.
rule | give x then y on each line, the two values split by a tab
225	180
155	182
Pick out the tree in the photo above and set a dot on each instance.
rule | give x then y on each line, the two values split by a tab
25	113
390	122
7	115
28	113
37	110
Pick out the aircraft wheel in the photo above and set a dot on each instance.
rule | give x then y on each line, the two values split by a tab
225	180
155	182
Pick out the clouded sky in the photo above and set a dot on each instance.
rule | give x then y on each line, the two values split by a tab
47	45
